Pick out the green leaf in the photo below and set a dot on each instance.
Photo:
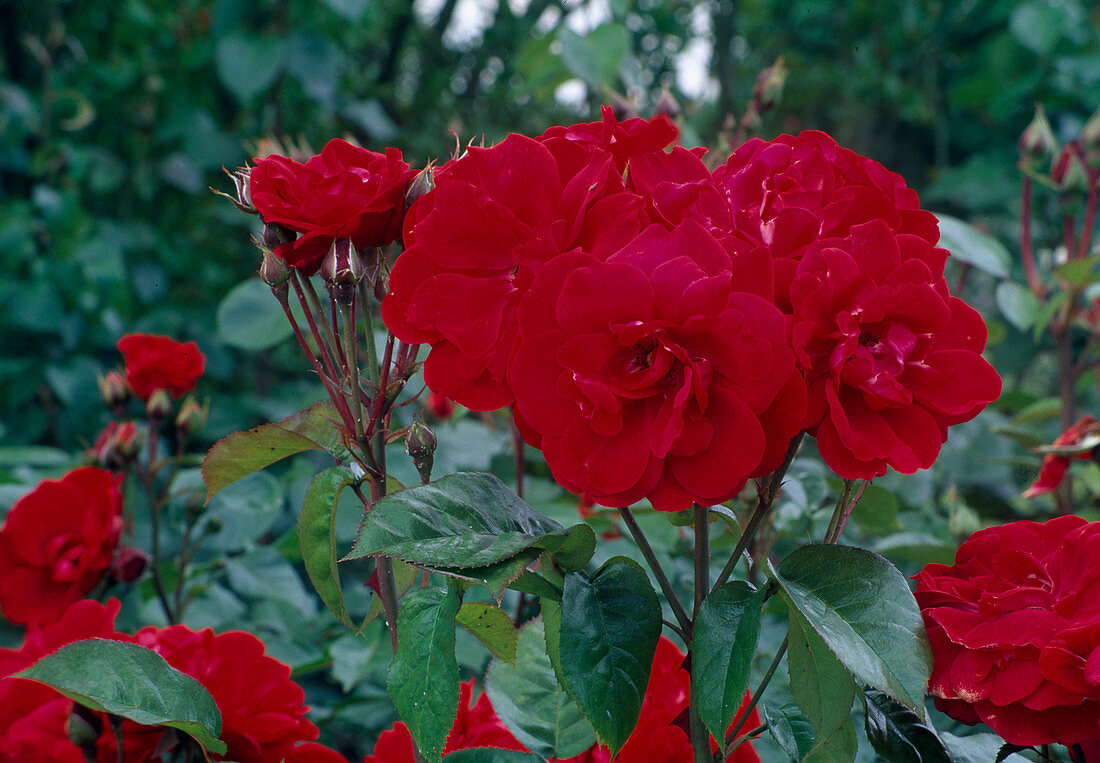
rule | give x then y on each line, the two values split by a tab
724	641
596	57
492	755
423	677
531	702
900	735
492	627
820	685
838	747
250	318
974	247
573	550
404	575
133	682
242	453
536	585
495	577
247	65
790	729
317	537
1017	304
1008	750
551	625
862	607
610	624
976	748
1079	272
464	520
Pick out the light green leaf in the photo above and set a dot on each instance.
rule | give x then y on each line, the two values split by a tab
492	627
1017	304
595	57
317	537
974	247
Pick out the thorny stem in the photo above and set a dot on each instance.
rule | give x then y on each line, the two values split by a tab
340	351
382	381
745	737
658	571
148	478
700	737
322	345
347	317
763	505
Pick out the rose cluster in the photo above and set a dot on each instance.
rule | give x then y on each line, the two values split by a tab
1015	631
662	331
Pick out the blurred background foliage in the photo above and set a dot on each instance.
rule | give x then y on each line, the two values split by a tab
117	117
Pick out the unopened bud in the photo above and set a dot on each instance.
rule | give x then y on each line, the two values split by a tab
420	444
114	389
84	727
116	446
423	183
342	265
128	564
1037	143
191	418
159	406
274	234
1090	139
667	104
1069	173
769	85
273	270
241	182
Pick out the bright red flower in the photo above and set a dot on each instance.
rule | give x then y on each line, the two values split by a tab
159	362
623	140
1015	631
891	359
793	191
474	244
657	373
33	717
1077	442
343	192
311	752
57	543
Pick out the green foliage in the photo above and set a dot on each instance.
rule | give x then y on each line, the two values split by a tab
492	627
317	538
900	735
821	686
132	682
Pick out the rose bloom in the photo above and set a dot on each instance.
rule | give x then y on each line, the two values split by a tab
891	359
623	140
159	362
343	192
657	373
1081	437
474	244
656	739
57	542
1015	631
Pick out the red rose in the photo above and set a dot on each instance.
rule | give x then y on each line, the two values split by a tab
343	192
56	544
311	752
1077	442
159	362
33	717
1015	631
263	710
623	140
790	192
891	359
474	244
656	374
441	406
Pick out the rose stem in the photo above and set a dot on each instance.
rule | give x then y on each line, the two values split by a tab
658	571
315	315
1087	229
745	737
1026	247
333	309
380	397
833	531
148	478
700	736
847	512
763	505
347	317
517	451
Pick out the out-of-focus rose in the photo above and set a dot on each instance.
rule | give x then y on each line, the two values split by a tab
440	405
1077	442
117	444
891	359
474	244
343	192
657	373
623	140
160	362
33	717
1015	631
128	564
56	544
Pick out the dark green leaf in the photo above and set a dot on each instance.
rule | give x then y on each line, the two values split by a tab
1008	750
790	729
551	624
317	537
531	702
423	678
133	682
492	755
724	641
898	734
820	685
464	520
571	551
862	607
974	247
495	577
536	585
610	625
492	627
838	747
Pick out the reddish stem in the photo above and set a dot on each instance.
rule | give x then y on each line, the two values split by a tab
1027	249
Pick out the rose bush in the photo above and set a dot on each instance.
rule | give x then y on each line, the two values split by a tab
343	192
57	543
159	362
1015	630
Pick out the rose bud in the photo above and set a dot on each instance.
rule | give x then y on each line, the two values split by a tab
159	406
769	85
1069	172
342	265
1090	139
1037	144
191	418
423	183
273	271
116	446
274	234
667	104
128	564
113	389
420	444
84	727
241	180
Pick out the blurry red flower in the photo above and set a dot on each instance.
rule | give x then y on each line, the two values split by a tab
657	373
440	405
56	544
623	140
159	362
343	192
1015	631
891	359
33	717
1077	442
116	445
475	243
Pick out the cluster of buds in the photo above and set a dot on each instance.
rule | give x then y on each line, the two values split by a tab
117	446
1073	166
